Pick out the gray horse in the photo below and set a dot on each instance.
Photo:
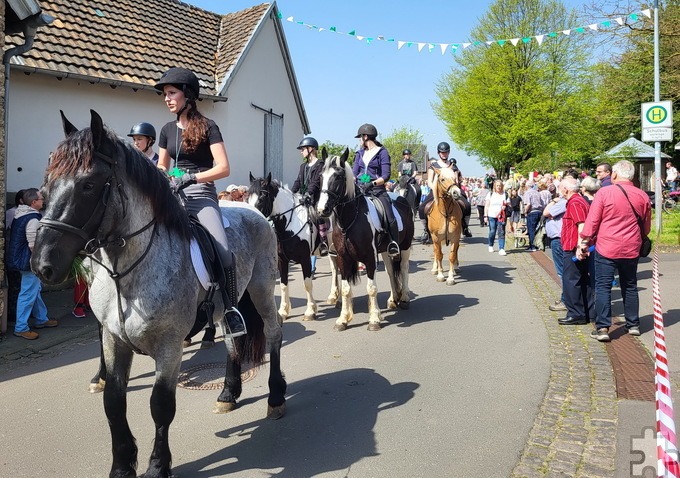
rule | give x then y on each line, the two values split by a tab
104	199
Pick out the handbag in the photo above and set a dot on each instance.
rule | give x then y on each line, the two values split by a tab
646	246
501	216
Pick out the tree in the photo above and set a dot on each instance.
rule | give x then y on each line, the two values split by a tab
334	149
511	104
405	138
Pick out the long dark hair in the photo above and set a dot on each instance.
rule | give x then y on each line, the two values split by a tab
197	130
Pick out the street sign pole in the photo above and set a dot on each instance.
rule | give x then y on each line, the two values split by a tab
657	144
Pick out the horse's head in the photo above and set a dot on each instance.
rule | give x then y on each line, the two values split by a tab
262	193
337	182
445	185
86	198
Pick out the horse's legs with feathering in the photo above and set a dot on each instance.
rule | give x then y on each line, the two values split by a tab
310	311
285	307
334	295
98	381
374	315
118	358
163	406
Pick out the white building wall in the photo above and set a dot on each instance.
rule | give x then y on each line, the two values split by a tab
35	125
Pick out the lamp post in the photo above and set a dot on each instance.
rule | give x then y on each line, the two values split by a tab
657	144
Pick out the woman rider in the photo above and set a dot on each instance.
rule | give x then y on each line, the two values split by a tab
372	169
443	150
308	183
194	146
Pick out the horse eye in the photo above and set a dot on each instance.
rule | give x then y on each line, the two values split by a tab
88	186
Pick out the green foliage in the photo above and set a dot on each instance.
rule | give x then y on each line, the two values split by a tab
526	103
405	138
337	150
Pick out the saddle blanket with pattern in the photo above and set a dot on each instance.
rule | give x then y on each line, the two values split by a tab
375	217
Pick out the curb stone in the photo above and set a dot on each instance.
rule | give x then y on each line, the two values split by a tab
574	433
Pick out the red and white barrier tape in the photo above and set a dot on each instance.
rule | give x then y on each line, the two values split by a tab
666	449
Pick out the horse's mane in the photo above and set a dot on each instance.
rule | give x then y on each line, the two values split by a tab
349	174
75	154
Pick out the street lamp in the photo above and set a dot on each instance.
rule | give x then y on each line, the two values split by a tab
657	145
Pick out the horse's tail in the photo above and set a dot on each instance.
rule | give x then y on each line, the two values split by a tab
396	271
251	347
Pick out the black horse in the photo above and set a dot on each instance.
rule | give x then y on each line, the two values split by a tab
357	239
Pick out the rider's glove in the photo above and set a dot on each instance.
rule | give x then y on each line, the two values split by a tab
187	179
307	199
366	187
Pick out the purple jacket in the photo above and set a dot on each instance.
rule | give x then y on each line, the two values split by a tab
378	167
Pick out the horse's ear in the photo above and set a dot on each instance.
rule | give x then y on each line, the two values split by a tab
69	129
269	177
344	157
97	127
252	178
324	154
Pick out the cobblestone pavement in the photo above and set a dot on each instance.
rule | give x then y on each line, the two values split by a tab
574	434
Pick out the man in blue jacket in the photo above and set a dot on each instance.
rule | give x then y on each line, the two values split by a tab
372	169
22	239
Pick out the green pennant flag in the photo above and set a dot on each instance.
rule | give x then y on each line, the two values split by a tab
552	34
391	39
300	23
369	39
333	29
409	43
279	15
526	39
353	32
477	43
633	16
580	29
502	42
607	24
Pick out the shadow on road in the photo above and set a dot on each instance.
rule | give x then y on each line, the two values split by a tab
328	427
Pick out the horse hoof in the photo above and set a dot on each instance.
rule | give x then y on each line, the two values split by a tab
274	413
97	387
309	317
340	327
451	282
186	343
441	279
207	344
224	407
391	305
404	305
373	327
331	301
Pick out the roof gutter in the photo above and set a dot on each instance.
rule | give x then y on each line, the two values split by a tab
113	83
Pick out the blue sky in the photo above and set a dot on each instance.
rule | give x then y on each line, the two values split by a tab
346	82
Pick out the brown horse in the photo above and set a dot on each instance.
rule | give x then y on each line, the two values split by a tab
445	222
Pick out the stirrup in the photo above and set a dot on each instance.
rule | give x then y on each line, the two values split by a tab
235	323
393	248
323	249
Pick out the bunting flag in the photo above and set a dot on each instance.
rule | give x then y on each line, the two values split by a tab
453	47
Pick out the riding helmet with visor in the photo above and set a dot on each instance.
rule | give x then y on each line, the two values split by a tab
308	141
143	129
182	79
443	147
406	151
367	129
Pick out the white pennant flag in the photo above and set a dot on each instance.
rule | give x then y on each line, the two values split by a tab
514	41
290	19
421	46
380	37
539	38
321	29
593	26
620	21
400	44
465	45
359	37
489	43
443	47
647	13
566	32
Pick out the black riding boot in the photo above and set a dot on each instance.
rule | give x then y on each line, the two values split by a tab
466	229
393	246
232	317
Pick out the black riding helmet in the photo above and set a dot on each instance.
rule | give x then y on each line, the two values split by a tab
367	129
143	129
308	141
182	79
443	147
406	151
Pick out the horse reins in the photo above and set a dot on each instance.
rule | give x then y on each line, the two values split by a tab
447	213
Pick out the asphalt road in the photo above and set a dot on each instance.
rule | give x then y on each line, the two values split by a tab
449	388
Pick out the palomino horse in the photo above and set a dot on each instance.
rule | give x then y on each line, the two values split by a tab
356	239
445	223
410	191
106	200
298	238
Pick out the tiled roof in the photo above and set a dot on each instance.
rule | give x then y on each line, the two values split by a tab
134	42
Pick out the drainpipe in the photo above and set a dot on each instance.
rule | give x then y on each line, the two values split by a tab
29	26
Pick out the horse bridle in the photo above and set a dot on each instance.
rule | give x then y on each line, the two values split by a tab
88	232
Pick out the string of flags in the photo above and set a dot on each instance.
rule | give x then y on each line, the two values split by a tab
453	47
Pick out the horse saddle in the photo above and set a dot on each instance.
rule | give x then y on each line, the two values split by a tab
376	210
209	253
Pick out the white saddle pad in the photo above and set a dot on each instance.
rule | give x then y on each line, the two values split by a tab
375	218
199	265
